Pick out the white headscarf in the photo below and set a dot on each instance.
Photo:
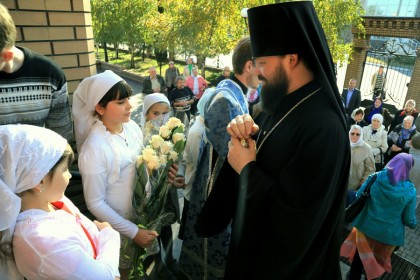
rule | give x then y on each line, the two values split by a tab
360	141
378	117
27	154
87	95
148	102
153	98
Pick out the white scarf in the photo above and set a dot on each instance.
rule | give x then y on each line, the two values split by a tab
27	154
359	142
87	95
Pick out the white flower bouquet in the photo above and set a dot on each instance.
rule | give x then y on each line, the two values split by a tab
151	197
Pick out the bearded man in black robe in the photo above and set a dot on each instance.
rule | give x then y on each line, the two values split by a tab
287	210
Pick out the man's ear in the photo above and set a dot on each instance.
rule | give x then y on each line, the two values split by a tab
248	65
7	55
293	59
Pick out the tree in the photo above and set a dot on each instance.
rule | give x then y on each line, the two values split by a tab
135	16
206	28
106	23
338	17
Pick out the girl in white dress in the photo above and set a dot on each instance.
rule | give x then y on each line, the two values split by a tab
109	142
52	239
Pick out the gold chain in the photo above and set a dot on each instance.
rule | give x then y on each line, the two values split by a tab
281	120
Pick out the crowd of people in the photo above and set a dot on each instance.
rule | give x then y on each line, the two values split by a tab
255	204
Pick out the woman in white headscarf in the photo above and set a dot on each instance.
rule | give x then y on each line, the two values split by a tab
51	238
362	162
376	136
109	142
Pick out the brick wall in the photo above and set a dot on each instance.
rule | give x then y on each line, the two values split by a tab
387	27
59	29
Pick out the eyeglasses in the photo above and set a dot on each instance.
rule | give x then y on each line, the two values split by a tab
354	133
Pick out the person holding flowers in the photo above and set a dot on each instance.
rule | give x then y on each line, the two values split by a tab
108	142
156	109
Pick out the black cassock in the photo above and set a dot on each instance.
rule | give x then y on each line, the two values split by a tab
288	206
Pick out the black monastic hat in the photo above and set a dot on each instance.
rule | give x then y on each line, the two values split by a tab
294	27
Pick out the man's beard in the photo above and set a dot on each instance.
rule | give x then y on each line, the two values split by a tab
273	93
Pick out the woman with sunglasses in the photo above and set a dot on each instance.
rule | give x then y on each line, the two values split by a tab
362	162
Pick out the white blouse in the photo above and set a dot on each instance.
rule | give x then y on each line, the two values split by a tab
53	245
107	164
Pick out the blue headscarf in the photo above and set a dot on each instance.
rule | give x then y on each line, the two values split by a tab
374	110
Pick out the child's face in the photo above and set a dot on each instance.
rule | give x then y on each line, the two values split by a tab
157	110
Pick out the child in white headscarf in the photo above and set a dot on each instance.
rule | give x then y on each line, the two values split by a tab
109	142
155	111
51	238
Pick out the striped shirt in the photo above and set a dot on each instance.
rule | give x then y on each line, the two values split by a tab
36	94
180	95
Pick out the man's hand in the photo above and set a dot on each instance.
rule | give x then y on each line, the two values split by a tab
239	156
179	182
242	127
172	173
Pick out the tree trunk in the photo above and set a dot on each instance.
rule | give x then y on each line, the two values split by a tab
132	65
201	64
143	49
116	48
105	52
172	56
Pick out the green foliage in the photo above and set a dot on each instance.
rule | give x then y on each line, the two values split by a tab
206	28
337	18
212	78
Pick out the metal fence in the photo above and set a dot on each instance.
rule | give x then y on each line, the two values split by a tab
398	60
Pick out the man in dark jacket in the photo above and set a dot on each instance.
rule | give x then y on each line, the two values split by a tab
351	97
288	209
154	83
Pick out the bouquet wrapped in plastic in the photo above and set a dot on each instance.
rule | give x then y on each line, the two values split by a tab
151	191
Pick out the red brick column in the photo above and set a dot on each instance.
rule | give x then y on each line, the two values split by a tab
413	91
355	66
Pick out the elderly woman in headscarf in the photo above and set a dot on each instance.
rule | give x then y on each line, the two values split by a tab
409	110
380	226
377	108
399	138
357	117
51	238
376	136
109	143
362	162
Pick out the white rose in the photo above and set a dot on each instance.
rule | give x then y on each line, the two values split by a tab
173	155
166	147
139	160
164	131
153	163
148	153
177	137
163	160
173	122
156	141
